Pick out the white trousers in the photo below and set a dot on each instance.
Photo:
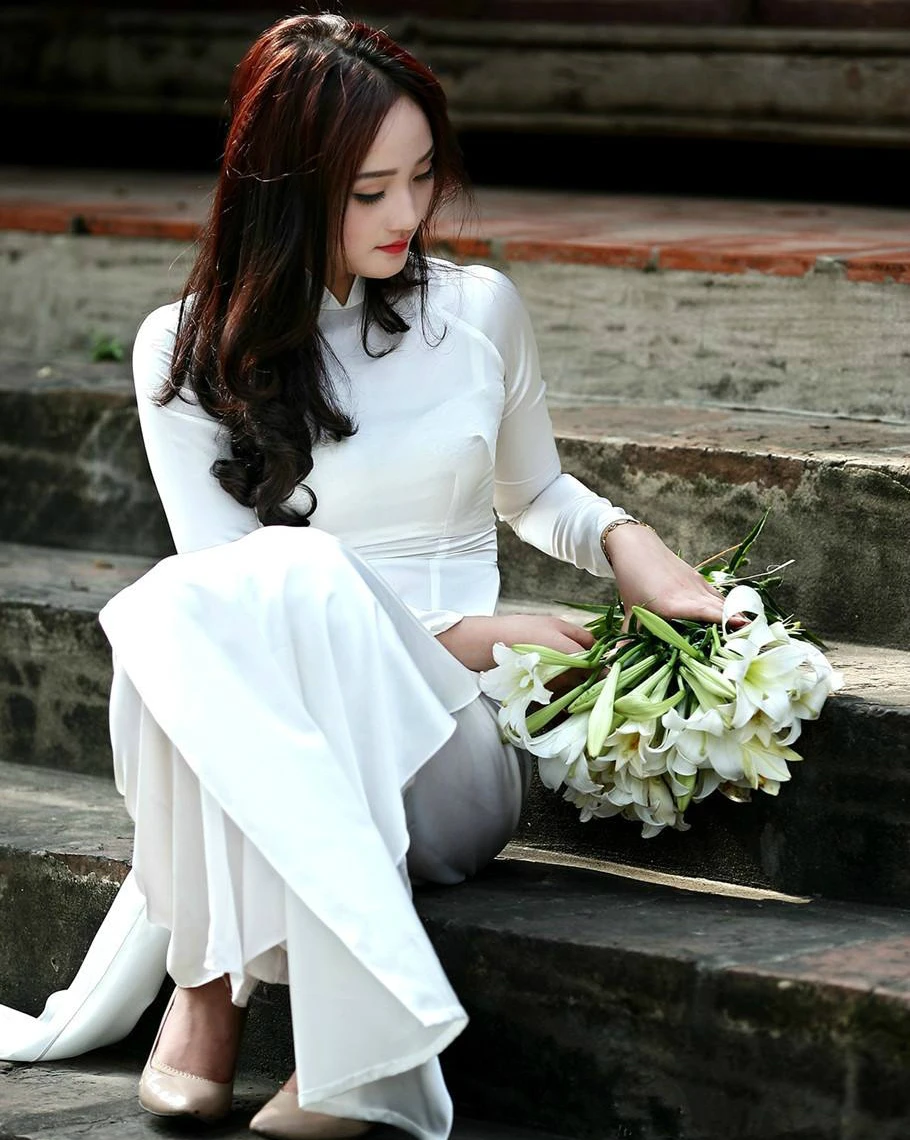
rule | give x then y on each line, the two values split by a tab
294	748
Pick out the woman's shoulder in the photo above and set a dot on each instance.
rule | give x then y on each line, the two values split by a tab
160	324
471	287
153	348
478	294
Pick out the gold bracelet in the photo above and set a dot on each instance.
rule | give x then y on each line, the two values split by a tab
612	526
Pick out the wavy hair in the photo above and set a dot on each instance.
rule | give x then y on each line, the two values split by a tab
305	104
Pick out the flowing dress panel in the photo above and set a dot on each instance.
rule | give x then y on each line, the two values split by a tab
281	700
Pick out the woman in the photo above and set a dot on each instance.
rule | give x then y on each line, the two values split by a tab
331	419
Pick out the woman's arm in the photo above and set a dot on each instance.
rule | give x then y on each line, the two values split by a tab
553	511
649	574
182	442
545	506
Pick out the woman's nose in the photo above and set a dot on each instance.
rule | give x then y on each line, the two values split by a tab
406	214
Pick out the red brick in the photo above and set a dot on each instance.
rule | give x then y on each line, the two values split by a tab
618	231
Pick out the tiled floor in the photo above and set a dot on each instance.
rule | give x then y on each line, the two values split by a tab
673	233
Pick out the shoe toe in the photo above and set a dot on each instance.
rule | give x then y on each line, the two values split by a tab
282	1118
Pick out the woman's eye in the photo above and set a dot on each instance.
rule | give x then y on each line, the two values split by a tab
370	199
426	176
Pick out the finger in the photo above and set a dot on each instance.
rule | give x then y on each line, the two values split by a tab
578	634
570	645
696	609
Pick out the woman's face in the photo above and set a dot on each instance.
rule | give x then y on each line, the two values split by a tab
390	197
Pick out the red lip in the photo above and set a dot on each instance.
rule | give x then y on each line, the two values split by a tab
397	247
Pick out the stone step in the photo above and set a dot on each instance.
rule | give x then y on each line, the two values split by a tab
73	474
838	492
600	1006
505	67
96	1095
55	662
775	305
854	783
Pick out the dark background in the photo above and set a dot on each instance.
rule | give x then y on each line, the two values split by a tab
724	167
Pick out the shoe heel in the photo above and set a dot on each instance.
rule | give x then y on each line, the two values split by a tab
164	1091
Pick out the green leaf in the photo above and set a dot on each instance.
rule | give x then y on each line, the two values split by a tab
107	348
743	549
587	606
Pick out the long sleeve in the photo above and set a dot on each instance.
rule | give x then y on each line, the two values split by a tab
546	507
182	442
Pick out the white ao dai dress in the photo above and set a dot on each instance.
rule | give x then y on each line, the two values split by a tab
293	743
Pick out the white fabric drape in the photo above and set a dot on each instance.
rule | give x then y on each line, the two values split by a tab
118	979
274	703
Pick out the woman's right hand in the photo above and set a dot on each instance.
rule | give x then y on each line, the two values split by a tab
471	640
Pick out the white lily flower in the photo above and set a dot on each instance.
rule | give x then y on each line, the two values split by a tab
561	756
751	754
518	680
591	805
766	765
629	747
708	781
767	732
661	811
650	801
788	680
818	681
764	679
705	740
746	600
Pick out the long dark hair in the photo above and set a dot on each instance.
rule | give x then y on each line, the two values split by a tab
306	102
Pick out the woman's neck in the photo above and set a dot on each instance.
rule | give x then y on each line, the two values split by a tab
340	287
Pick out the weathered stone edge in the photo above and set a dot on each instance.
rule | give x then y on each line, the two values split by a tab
537	956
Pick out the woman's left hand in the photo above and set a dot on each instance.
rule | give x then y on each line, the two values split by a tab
649	574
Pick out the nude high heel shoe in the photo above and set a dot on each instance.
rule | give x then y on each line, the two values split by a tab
164	1091
283	1119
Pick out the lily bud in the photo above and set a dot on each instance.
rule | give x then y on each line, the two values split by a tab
602	714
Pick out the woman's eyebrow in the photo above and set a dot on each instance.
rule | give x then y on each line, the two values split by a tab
389	173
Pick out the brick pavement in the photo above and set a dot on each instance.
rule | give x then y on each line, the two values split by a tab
640	232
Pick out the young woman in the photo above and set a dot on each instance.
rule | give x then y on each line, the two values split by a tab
334	421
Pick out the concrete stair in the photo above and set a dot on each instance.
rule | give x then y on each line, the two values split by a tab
95	1096
73	474
822	71
600	1006
855	781
705	361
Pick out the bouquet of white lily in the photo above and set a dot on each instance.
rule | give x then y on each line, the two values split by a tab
669	712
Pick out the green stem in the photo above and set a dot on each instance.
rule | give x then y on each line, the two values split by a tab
540	719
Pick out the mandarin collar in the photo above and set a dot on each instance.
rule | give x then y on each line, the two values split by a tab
331	303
